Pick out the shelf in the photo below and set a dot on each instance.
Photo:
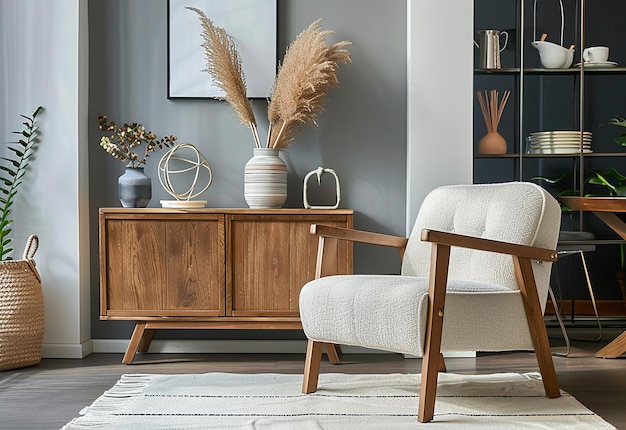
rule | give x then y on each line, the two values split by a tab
575	154
541	71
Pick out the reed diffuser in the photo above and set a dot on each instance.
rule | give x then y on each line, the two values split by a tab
492	108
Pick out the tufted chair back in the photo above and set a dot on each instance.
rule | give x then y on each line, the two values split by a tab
516	212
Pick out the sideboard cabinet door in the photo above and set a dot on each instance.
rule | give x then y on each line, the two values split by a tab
156	266
272	256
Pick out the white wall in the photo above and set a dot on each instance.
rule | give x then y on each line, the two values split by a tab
45	63
440	93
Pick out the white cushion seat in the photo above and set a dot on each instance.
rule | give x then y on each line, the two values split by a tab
389	312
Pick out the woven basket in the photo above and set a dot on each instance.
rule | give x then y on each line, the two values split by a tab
21	310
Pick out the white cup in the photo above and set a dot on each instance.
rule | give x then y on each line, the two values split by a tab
596	54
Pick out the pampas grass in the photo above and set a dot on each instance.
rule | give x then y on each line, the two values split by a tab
308	72
224	65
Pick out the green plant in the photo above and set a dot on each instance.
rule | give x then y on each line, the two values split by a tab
12	170
615	184
612	181
620	121
128	137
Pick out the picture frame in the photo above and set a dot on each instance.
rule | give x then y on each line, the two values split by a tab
251	23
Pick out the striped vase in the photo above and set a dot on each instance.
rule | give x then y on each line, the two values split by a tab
265	179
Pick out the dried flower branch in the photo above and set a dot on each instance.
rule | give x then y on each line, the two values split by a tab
224	66
308	71
128	137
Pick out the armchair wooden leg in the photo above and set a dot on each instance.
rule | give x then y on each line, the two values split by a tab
433	359
333	352
536	325
312	366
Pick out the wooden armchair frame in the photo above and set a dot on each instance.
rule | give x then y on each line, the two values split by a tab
432	361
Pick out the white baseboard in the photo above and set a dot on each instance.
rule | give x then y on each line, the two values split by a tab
67	350
450	354
459	354
116	346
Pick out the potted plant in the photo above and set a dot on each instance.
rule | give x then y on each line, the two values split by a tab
21	297
610	182
134	186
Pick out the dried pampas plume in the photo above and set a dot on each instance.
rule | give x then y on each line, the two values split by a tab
224	66
308	71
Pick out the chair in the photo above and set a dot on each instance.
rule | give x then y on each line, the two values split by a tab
570	243
484	250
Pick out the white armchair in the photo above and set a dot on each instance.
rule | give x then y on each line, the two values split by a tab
483	250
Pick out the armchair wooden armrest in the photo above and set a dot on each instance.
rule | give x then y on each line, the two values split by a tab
359	236
478	243
325	231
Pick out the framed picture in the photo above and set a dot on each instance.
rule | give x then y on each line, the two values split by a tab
251	24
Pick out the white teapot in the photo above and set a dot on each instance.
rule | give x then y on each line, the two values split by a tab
553	56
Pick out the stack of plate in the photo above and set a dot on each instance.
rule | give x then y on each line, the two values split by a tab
559	142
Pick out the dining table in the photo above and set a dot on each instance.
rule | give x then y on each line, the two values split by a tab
607	209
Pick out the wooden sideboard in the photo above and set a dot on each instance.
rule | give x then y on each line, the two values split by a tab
211	268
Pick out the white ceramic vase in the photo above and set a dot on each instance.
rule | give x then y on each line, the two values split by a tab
265	179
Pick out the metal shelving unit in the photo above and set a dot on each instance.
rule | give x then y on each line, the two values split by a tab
527	83
521	73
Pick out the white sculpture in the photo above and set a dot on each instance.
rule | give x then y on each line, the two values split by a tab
184	199
319	172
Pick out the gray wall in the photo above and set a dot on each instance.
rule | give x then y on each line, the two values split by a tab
361	134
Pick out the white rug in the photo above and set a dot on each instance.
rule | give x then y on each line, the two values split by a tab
342	401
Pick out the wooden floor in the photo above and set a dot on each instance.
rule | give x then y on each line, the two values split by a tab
50	394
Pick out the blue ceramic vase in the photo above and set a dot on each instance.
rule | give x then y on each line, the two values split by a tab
134	188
